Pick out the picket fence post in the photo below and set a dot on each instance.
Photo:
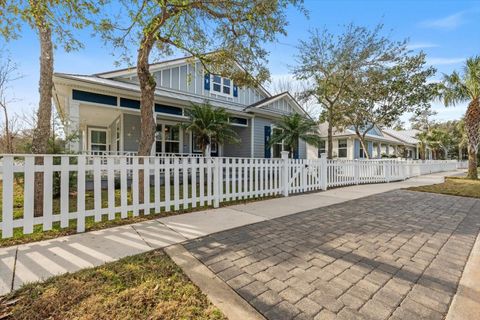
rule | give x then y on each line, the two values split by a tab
217	180
356	171
324	172
386	170
7	195
285	182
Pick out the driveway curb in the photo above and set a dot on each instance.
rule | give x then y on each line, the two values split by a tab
219	293
466	302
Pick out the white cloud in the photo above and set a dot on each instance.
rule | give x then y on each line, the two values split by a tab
450	22
421	45
444	61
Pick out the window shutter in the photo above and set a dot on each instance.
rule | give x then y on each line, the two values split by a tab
206	81
370	148
296	153
268	132
356	149
235	91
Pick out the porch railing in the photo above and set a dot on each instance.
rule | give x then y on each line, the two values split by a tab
80	188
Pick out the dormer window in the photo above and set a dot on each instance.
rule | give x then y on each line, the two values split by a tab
222	85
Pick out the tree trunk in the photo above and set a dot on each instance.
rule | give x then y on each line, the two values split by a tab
147	97
364	146
8	134
42	130
472	125
147	100
330	141
472	164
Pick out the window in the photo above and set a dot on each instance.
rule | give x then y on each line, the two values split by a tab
236	121
196	145
277	148
222	85
363	154
322	147
98	139
167	138
342	148
158	139
196	148
117	135
172	139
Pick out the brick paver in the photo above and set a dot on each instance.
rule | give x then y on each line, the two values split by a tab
397	255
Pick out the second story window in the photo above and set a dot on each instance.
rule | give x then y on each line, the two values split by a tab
222	85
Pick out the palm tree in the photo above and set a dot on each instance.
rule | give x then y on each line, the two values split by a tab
292	128
422	138
210	124
458	88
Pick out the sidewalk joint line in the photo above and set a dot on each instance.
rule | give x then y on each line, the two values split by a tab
148	244
171	229
14	269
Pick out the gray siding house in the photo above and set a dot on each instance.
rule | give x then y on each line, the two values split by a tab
104	109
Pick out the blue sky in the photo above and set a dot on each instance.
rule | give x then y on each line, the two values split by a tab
448	31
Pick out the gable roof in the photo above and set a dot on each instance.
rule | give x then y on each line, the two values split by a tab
157	65
283	95
402	135
349	132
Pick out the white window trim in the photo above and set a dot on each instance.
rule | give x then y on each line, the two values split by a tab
273	127
238	124
338	148
180	141
89	137
221	93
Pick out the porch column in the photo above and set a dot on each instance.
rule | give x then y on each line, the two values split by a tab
152	150
73	125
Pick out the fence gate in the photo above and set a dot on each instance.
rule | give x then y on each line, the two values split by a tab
305	175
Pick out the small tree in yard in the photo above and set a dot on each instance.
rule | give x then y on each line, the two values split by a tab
381	94
8	74
457	88
210	124
51	20
330	64
292	129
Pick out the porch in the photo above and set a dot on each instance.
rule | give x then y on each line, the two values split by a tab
108	131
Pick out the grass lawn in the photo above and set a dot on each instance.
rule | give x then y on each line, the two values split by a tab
90	225
145	286
455	186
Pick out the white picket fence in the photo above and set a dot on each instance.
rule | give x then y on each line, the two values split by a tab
106	187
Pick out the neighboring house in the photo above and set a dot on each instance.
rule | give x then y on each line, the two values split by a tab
104	109
409	138
380	143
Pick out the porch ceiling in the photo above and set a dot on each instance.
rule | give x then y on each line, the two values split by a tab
97	116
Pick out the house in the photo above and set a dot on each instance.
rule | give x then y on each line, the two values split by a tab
104	109
381	143
409	138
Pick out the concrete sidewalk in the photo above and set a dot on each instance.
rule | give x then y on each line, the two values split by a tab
40	260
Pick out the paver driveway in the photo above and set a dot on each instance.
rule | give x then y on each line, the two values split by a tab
397	255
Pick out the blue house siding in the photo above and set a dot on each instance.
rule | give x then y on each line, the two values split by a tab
356	149
241	149
370	148
259	136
